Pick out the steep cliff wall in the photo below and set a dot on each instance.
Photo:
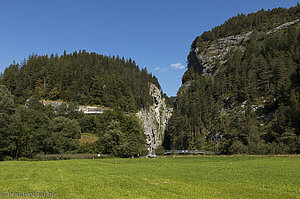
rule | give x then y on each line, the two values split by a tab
155	119
208	58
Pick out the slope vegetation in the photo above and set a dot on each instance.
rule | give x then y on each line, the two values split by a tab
240	93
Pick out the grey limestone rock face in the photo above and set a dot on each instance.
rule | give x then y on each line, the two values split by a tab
284	26
55	104
155	119
206	61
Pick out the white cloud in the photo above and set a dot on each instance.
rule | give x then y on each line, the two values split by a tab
163	70
160	69
156	69
178	66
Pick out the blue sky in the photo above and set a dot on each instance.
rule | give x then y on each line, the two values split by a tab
156	34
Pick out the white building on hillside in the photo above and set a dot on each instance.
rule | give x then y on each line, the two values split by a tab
90	109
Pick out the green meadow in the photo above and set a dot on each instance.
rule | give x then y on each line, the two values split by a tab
180	177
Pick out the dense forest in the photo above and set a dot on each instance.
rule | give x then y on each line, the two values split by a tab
252	104
259	21
27	127
81	77
32	128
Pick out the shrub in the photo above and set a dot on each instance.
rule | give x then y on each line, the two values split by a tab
160	150
69	156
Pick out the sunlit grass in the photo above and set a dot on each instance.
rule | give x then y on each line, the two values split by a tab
88	138
183	177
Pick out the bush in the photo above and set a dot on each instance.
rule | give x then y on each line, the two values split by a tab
26	159
69	156
7	158
237	148
159	150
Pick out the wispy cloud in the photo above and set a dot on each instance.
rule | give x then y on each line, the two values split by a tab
160	69
178	66
163	70
156	69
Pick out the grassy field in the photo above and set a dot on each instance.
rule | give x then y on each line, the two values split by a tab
182	177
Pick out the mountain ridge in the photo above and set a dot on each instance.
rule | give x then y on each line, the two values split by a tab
240	93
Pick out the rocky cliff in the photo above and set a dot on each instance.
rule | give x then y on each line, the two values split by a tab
155	118
212	55
207	59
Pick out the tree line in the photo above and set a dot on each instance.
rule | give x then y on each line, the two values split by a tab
81	77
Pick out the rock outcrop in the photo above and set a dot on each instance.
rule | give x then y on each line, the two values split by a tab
155	118
206	61
284	26
213	54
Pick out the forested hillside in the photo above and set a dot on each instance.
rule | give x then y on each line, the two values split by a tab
81	77
250	103
32	128
27	127
259	21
